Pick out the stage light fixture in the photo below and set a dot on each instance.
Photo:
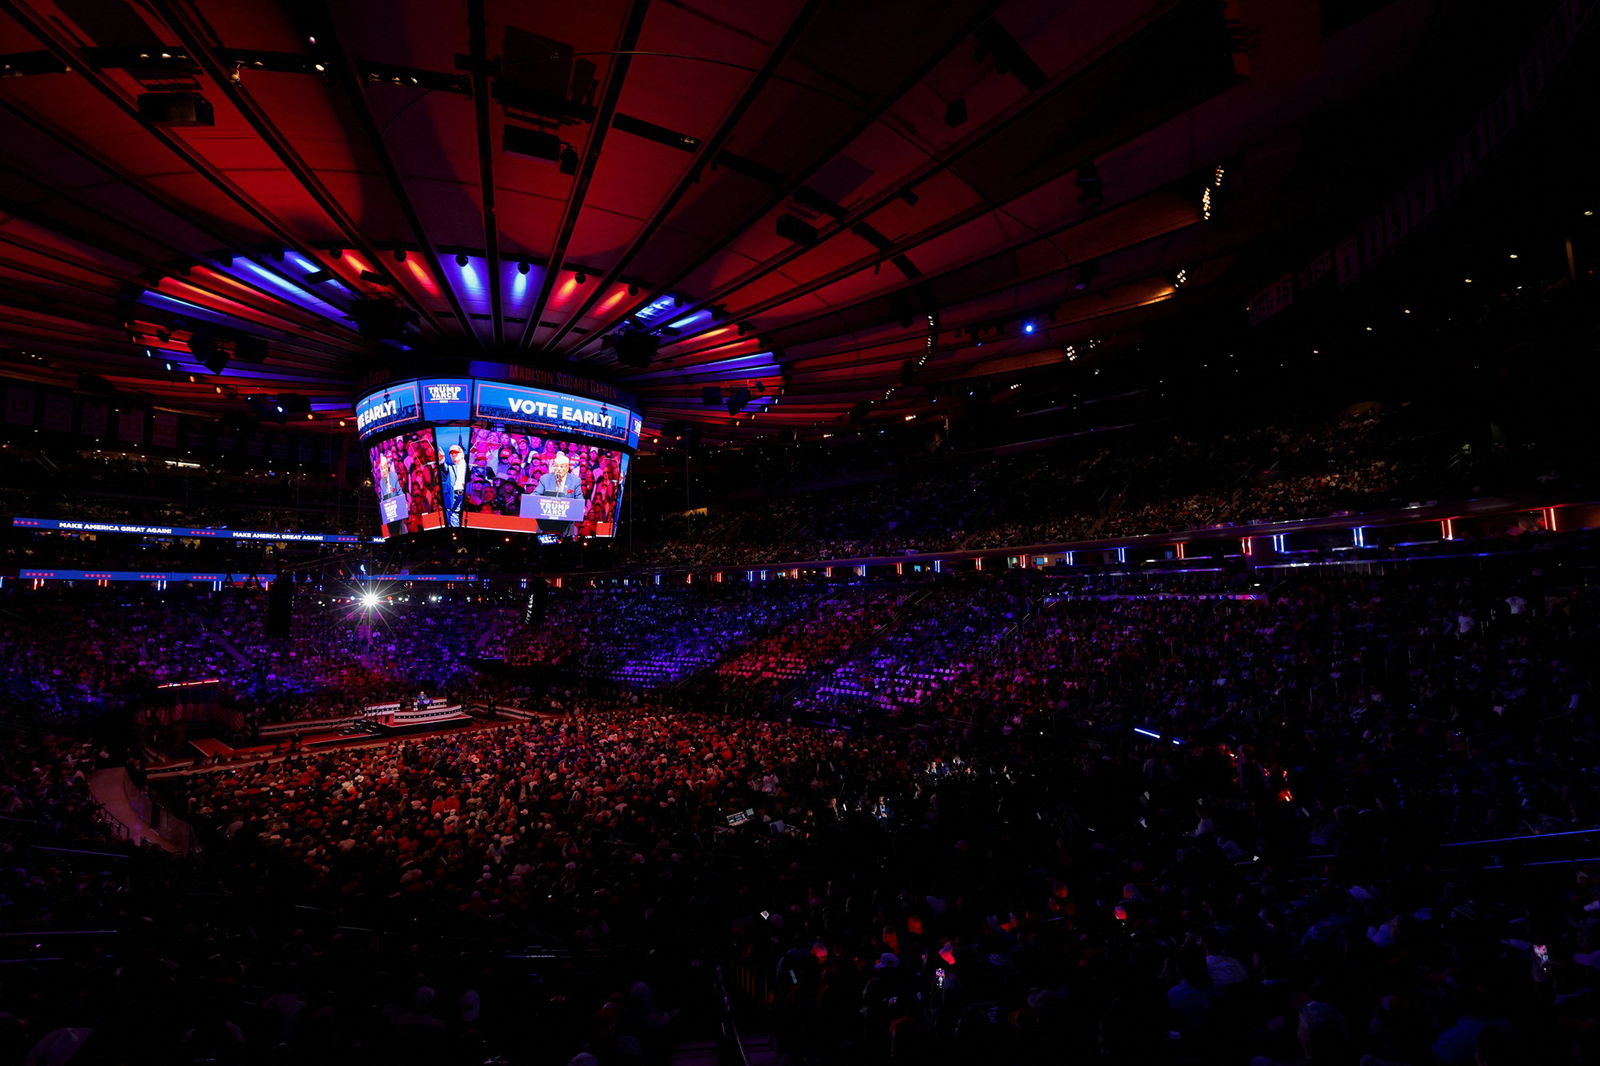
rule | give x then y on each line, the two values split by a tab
461	259
524	266
294	403
1028	327
534	144
581	278
175	109
634	347
797	230
369	600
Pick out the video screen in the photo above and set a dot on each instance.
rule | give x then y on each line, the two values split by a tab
533	484
405	475
487	477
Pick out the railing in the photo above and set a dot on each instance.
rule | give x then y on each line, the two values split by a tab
729	1043
1527	850
160	819
303	725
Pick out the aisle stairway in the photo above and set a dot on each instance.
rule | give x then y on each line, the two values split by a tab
217	638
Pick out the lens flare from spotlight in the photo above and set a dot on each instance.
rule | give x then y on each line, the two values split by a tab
369	600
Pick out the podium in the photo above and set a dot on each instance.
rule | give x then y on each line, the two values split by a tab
395	508
553	508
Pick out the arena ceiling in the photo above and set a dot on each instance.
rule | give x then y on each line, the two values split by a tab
827	203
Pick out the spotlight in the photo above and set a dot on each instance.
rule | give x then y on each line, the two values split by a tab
581	278
569	160
369	600
461	260
1028	327
523	267
399	255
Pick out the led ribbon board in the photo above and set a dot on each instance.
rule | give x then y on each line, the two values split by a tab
66	525
555	412
460	399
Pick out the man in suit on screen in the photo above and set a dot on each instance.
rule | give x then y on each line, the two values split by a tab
560	481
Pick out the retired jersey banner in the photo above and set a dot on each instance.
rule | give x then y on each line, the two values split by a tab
19	405
130	426
58	413
164	429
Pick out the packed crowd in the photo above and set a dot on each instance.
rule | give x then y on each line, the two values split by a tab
1359	460
70	658
814	639
646	637
1179	819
